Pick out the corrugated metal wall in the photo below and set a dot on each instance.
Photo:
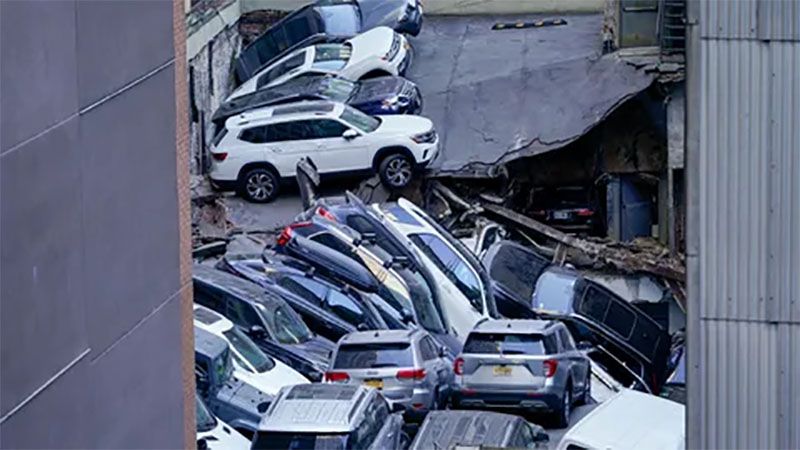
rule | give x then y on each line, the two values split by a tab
748	253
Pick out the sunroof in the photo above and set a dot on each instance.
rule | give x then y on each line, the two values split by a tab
303	108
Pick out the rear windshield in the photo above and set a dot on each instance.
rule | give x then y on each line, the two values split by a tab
300	441
508	344
554	292
366	356
517	270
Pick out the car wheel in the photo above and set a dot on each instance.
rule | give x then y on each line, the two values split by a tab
566	408
259	185
436	403
396	171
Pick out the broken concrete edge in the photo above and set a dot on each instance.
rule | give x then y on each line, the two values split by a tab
630	258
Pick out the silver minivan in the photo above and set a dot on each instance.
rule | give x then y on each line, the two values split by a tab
530	365
405	365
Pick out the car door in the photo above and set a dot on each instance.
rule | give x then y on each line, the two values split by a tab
434	364
333	152
287	143
580	364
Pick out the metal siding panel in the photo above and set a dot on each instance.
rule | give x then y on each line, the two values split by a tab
778	20
728	19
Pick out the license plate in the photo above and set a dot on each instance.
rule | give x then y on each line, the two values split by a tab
377	384
502	371
560	215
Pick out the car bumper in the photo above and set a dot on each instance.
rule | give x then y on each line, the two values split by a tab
417	402
427	154
407	58
223	185
412	24
506	399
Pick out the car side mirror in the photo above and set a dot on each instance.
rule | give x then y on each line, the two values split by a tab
362	327
256	332
584	346
350	134
202	444
443	352
407	316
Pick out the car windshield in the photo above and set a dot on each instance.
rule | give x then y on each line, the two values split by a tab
422	297
554	292
339	20
288	327
363	122
300	441
205	420
331	57
245	347
337	89
508	344
366	356
454	267
517	269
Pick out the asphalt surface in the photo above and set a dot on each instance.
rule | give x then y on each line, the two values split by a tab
476	88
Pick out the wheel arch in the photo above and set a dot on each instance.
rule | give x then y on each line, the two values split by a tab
386	151
256	165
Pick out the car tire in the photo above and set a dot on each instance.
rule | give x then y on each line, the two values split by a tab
396	171
436	404
259	185
566	407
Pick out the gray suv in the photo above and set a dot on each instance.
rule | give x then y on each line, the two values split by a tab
405	365
531	365
333	417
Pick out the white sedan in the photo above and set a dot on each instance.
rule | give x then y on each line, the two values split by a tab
377	52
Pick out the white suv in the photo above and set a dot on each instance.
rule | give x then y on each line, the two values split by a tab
259	148
377	52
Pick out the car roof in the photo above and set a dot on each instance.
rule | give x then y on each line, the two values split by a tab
317	408
514	326
210	320
206	343
281	113
650	422
380	336
236	286
448	429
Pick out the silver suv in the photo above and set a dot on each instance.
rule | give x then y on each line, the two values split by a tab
531	365
330	417
405	365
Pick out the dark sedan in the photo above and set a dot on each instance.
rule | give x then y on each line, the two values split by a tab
375	96
272	324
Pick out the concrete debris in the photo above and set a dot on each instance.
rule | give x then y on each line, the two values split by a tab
209	216
641	255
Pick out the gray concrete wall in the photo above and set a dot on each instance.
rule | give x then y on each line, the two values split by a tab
89	237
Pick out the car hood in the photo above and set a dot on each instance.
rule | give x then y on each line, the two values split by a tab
272	381
223	437
381	88
317	350
404	124
371	44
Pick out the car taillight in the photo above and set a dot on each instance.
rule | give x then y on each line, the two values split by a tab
410	374
584	212
219	156
458	366
326	214
337	377
286	234
550	367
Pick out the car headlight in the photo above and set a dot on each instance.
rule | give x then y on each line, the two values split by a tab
427	137
398	101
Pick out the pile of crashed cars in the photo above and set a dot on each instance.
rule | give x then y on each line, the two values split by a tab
363	325
373	325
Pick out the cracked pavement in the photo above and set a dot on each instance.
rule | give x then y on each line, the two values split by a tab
494	95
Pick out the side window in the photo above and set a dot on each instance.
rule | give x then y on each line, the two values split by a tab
360	224
524	437
255	135
281	69
428	349
452	265
327	129
566	339
551	344
344	307
242	313
306	288
289	131
209	298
